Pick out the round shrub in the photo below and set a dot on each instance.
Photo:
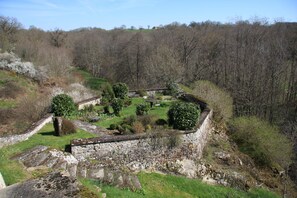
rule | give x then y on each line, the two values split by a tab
141	109
63	105
183	116
120	90
113	126
117	105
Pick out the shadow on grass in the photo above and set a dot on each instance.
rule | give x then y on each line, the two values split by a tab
51	133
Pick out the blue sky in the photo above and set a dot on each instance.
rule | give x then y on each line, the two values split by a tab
107	14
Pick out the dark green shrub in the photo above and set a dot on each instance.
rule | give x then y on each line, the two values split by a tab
161	122
107	93
63	105
113	126
67	127
120	90
106	109
130	119
261	141
183	115
127	102
142	109
127	128
117	105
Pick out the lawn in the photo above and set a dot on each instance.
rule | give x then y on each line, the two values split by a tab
159	111
163	186
13	171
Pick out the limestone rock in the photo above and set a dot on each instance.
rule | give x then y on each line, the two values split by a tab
51	158
54	185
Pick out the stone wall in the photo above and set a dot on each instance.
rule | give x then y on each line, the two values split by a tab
5	141
88	102
126	145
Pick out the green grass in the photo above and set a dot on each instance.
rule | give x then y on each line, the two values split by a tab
168	186
13	171
161	112
90	81
7	104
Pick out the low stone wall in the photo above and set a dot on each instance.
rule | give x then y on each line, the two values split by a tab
88	102
5	141
129	144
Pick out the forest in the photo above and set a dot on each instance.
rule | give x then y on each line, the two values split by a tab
255	61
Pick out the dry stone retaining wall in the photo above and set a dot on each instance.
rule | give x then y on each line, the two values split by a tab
128	144
5	141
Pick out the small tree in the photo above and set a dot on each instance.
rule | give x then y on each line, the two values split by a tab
63	105
117	105
141	109
120	90
107	93
183	116
172	89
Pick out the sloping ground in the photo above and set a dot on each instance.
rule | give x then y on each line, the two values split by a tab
224	164
17	93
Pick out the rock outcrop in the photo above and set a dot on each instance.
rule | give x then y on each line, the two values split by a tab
55	184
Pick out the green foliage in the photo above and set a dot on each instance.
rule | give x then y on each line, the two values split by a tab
183	115
172	89
219	100
263	142
130	119
161	122
113	126
127	101
160	112
120	90
117	106
107	92
63	105
142	109
106	109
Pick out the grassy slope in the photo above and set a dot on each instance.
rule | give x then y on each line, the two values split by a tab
162	186
13	171
29	88
161	112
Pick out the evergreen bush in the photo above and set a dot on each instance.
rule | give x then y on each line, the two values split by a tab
117	105
142	109
120	90
183	115
63	105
